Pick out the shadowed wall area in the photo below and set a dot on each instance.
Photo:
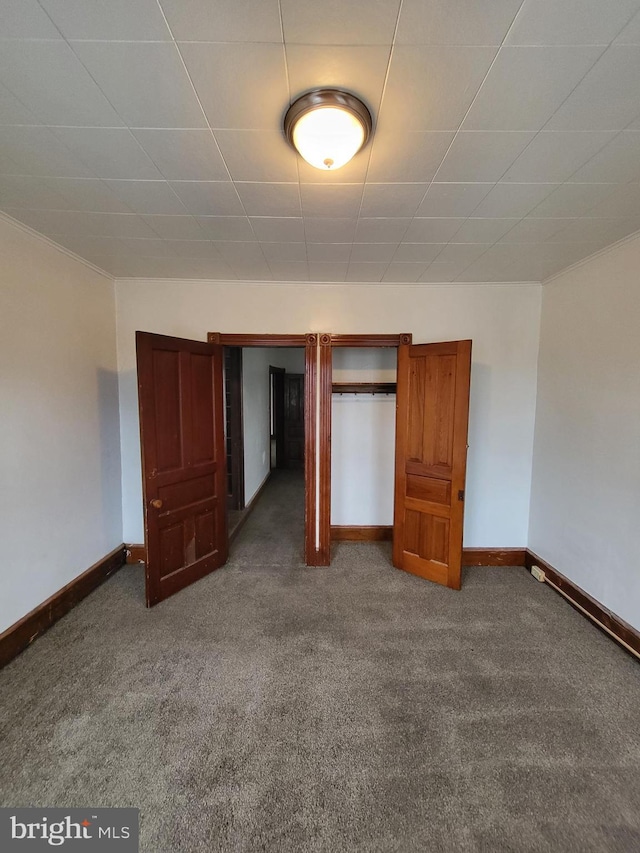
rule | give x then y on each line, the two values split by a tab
281	708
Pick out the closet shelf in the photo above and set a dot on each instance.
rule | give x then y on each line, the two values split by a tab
363	387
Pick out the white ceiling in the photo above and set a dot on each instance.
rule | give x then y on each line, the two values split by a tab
146	136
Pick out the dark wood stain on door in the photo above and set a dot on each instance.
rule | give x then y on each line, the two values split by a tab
183	458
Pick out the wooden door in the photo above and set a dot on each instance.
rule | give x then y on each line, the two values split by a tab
183	461
294	437
431	454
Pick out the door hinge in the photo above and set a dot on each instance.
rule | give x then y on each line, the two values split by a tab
461	494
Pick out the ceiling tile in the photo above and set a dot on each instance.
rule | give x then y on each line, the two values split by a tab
88	194
483	230
243	257
572	200
212	268
366	272
482	155
373	252
285	252
108	152
381	230
103	247
453	199
444	273
461	254
148	247
407	157
608	98
526	85
336	22
289	270
192	248
226	227
532	230
270	199
418	252
209	198
617	162
404	272
624	202
589	230
25	19
162	95
36	151
442	81
226	77
52	82
147	196
226	20
327	271
82	223
29	192
631	33
455	21
513	200
257	155
489	266
118	19
271	229
432	230
329	230
360	70
184	155
13	111
554	157
117	225
392	199
175	227
333	200
328	252
571	21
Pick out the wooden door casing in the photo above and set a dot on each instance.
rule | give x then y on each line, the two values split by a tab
183	459
431	452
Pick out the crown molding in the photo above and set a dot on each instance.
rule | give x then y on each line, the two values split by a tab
21	226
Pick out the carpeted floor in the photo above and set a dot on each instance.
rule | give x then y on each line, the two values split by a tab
273	707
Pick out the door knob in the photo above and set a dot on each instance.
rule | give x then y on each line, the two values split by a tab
156	503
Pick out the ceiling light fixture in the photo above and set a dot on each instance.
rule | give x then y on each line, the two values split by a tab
327	127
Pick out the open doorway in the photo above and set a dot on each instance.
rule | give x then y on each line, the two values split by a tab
265	437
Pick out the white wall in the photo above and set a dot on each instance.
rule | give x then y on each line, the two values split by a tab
585	508
255	408
59	433
363	430
502	320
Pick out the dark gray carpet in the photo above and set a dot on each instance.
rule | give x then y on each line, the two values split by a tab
357	708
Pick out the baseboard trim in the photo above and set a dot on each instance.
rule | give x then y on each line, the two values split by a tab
368	533
493	556
20	635
136	554
603	618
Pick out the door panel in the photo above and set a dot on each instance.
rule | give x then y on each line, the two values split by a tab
431	452
183	460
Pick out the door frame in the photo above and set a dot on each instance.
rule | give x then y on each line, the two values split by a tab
317	377
317	367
